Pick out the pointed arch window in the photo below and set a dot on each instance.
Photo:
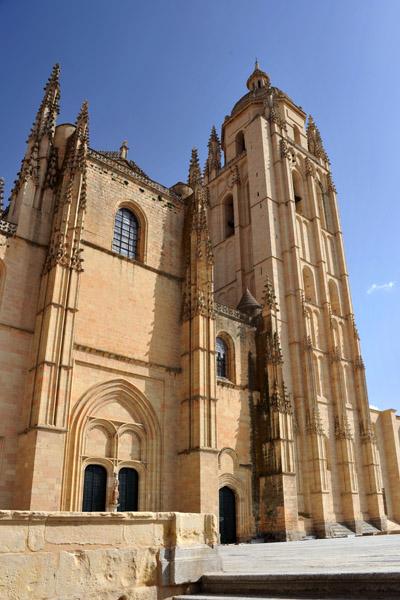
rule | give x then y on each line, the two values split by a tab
126	233
222	357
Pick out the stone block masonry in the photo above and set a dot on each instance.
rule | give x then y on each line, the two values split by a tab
84	556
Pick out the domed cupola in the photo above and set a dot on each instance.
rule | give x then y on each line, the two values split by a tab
258	79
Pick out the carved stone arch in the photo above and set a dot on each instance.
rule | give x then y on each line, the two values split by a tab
243	503
231	362
102	425
141	446
309	285
141	252
299	191
135	404
228	216
230	452
334	297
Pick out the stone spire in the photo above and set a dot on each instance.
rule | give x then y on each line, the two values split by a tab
214	152
314	140
195	177
45	122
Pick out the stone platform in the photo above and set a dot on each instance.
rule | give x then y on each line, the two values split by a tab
357	567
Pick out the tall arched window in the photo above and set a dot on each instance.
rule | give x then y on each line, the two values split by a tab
126	230
239	143
94	489
229	217
222	357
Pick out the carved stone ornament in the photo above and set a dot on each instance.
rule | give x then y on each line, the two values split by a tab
269	298
343	429
273	352
284	149
114	494
280	399
309	168
367	433
359	363
313	422
335	354
307	344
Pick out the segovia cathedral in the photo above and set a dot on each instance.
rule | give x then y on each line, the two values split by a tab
190	348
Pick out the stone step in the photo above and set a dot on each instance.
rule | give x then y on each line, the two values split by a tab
337	585
341	530
369	529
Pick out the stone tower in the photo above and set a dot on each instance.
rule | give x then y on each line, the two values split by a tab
274	216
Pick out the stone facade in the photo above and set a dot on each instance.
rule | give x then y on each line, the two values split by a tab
108	357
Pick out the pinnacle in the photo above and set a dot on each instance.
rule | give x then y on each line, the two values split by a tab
83	113
194	169
214	135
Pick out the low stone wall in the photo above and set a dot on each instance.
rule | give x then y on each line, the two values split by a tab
104	556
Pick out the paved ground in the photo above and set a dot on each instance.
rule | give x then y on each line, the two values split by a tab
355	554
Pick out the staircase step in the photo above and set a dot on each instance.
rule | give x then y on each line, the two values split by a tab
341	530
369	529
337	585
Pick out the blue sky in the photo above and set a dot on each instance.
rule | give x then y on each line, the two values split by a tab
161	73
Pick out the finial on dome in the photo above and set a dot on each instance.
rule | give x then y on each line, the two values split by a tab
123	151
257	66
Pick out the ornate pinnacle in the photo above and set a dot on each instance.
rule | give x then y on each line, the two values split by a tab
82	122
195	177
269	298
1	194
214	152
214	136
46	117
314	140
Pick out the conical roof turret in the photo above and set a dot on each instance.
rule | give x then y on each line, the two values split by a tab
249	305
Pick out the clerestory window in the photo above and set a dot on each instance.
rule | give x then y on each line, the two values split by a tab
126	230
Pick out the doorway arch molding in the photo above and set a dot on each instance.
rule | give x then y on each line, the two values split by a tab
141	412
243	507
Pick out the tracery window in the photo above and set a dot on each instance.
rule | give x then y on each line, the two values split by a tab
222	357
126	230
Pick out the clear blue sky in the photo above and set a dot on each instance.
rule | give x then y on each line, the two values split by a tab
160	73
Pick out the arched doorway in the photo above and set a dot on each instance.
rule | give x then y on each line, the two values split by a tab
128	489
227	515
94	489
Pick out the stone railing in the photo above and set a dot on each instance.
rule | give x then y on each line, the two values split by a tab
227	311
99	555
7	228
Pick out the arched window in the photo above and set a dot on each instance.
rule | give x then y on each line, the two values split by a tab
128	489
94	489
296	135
229	217
239	143
126	233
222	357
298	193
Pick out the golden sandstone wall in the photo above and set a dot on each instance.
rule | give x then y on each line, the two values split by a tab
110	360
115	556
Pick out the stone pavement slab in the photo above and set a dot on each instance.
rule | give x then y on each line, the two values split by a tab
353	555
